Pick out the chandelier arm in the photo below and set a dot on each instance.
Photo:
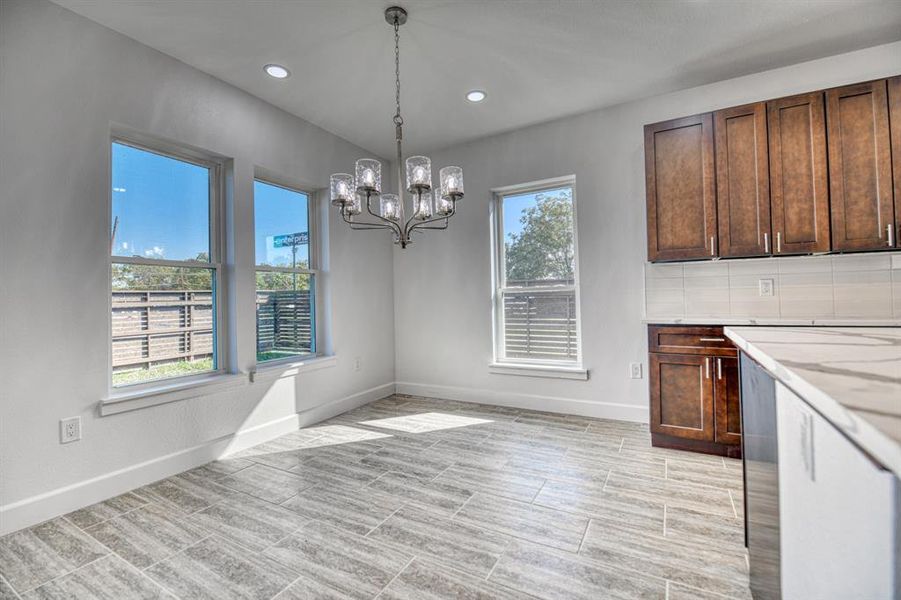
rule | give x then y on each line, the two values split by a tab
421	227
412	216
445	219
363	225
387	222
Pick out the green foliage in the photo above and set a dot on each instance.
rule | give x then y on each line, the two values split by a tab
173	369
281	281
544	248
146	277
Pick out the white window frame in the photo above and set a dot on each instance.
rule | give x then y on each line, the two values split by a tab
499	287
217	246
314	249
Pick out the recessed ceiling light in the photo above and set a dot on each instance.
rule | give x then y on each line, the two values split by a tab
277	71
476	96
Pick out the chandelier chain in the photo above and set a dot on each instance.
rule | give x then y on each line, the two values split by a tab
354	195
398	120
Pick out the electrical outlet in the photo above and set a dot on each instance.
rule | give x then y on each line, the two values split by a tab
358	364
69	430
635	370
765	287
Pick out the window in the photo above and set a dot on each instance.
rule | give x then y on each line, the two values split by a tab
535	267
164	266
286	279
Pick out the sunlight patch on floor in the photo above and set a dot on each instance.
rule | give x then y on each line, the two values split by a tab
340	434
424	422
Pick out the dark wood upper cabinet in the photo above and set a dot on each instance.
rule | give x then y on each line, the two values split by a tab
742	181
682	396
894	103
798	176
679	171
727	402
860	166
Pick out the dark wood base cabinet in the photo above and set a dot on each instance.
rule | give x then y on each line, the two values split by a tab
694	390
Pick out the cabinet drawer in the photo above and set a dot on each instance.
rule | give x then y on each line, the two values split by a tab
683	339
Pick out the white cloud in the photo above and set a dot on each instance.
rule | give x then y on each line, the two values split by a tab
155	252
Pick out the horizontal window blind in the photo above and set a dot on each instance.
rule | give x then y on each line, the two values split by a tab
540	325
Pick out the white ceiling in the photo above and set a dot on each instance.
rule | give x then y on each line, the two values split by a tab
537	59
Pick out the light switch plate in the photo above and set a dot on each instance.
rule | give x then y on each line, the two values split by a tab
765	287
635	370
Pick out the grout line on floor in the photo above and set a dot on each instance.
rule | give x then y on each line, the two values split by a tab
584	534
10	586
664	519
174	554
90	562
535	496
606	479
666	597
283	538
732	501
149	578
404	568
621	442
383	521
456	512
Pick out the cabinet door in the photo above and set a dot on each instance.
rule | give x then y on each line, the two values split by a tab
798	177
680	188
860	168
742	180
682	395
894	103
727	402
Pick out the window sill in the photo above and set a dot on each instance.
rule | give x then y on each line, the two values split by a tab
123	401
127	400
289	368
536	370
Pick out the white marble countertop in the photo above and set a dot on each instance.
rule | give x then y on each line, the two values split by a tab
775	322
851	375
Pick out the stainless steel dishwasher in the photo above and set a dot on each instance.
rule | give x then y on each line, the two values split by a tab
761	471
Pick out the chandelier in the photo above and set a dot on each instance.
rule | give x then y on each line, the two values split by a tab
352	193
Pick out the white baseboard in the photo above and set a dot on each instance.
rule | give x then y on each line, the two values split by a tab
569	406
33	510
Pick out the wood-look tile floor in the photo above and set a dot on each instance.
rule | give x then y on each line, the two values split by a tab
409	498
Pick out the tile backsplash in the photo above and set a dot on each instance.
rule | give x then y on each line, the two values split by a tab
851	287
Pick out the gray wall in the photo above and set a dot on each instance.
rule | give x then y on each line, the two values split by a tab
448	274
66	82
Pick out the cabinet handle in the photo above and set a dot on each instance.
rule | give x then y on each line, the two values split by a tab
766	243
707	367
890	232
778	242
712	248
711	339
719	368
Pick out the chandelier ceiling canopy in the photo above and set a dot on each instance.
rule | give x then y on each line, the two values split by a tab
432	208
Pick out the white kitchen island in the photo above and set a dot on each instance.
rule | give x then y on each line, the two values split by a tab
822	417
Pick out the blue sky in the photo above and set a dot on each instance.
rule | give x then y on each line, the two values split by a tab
162	205
278	211
515	206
